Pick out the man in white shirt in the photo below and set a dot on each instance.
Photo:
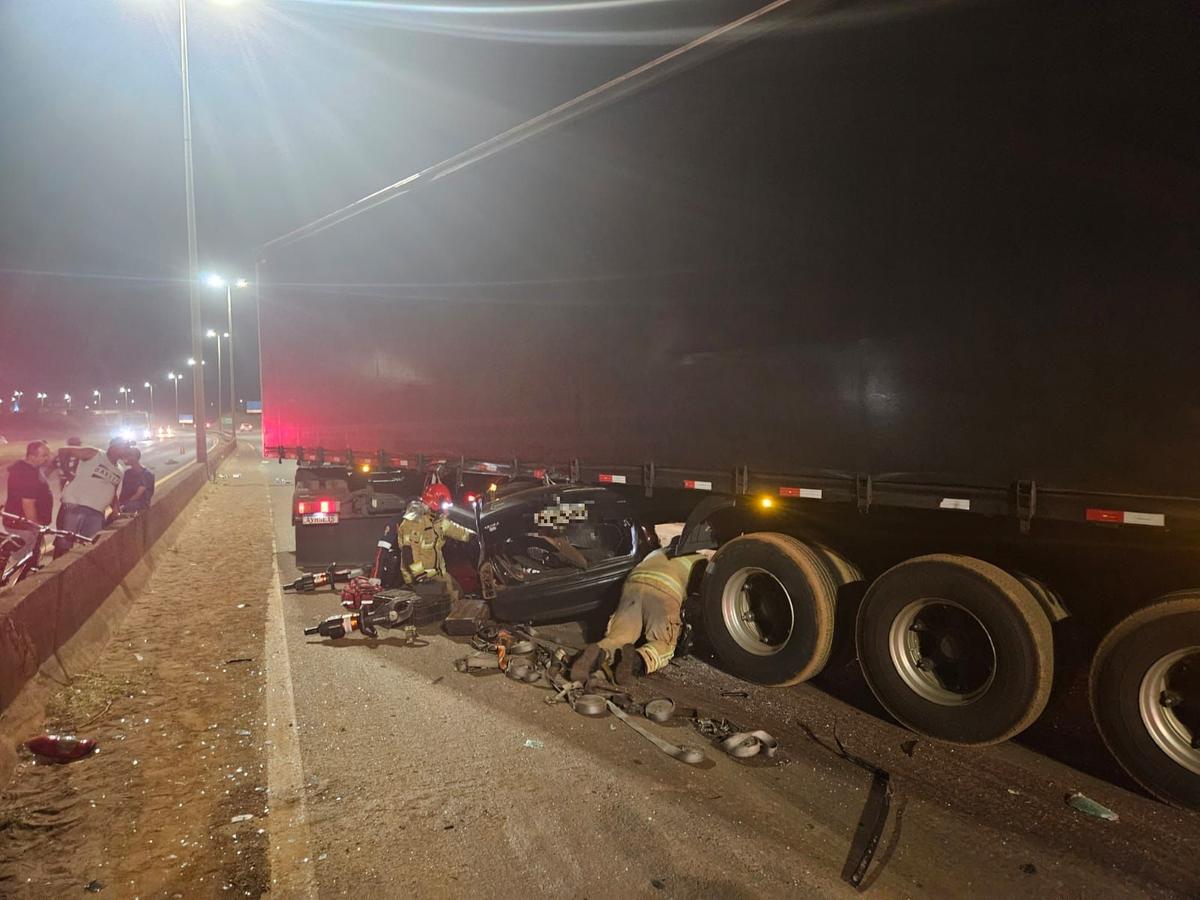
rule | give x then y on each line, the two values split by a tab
93	490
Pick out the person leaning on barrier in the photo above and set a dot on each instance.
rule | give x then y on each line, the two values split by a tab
29	494
137	487
94	489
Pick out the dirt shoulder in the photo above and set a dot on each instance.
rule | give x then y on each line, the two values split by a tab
176	703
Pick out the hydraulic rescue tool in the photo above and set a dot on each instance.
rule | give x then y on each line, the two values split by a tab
310	581
393	612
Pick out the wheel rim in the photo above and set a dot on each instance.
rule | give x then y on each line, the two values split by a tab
942	652
1170	706
758	611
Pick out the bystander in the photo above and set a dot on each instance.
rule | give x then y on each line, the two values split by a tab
137	487
87	498
29	495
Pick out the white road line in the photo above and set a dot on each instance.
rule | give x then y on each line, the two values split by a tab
293	869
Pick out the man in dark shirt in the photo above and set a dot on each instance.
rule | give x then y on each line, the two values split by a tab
29	494
137	487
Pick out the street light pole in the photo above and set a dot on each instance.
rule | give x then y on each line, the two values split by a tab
241	282
213	334
175	379
193	252
151	389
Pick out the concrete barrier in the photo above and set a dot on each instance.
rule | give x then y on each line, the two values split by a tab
40	614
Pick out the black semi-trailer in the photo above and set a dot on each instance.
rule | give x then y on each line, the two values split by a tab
899	312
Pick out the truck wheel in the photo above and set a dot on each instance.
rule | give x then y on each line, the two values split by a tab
768	602
1145	695
956	649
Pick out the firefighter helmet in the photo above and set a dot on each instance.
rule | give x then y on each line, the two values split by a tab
436	496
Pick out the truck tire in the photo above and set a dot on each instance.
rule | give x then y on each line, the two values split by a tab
1145	696
768	602
956	649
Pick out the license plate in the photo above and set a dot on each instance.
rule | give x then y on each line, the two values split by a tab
319	519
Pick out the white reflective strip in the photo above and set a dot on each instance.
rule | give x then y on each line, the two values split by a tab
615	479
700	485
811	493
385	545
1141	518
954	503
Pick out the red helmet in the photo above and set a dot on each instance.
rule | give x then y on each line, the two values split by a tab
436	496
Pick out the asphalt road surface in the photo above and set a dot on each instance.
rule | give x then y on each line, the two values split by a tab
387	773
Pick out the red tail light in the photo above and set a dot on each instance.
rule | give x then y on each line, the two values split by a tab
317	506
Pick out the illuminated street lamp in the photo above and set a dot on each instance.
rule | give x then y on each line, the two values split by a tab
41	398
124	390
150	388
67	400
96	394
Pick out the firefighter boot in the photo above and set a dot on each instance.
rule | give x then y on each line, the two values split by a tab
586	663
630	666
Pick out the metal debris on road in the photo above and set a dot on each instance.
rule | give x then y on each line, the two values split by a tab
94	887
244	817
533	744
869	829
1090	807
239	659
874	813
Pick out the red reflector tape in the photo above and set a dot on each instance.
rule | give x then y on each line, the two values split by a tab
698	485
1126	517
809	493
612	479
539	473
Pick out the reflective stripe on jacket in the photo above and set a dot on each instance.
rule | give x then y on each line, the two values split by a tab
666	574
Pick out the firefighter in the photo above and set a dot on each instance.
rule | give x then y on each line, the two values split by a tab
410	553
651	603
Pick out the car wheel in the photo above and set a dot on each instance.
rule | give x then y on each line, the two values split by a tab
956	649
768	604
1145	696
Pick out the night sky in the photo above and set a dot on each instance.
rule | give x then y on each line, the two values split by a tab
299	106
